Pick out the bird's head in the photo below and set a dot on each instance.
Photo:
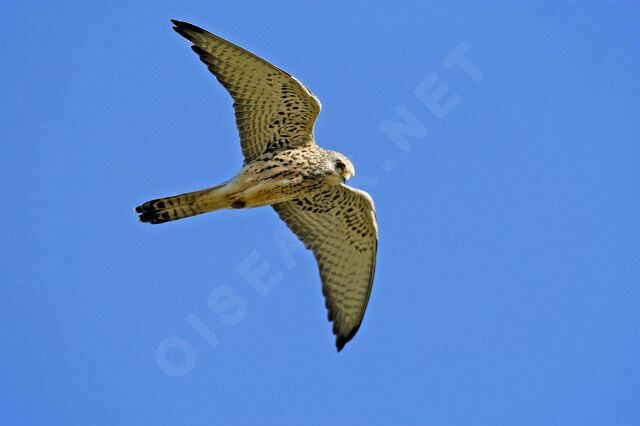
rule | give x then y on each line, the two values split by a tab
340	168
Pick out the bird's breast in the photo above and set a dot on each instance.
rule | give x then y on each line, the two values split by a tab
268	182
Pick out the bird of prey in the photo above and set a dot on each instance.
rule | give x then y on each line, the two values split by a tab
283	167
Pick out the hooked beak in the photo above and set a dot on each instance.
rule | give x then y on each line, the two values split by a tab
346	176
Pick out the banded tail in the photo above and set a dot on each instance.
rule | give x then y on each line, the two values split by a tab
184	205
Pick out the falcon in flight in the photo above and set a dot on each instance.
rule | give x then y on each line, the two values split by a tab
283	167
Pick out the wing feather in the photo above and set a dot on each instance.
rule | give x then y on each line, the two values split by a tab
339	226
273	110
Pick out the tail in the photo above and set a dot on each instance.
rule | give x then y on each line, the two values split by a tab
184	205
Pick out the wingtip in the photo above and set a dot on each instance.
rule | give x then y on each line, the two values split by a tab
342	340
186	30
181	24
186	26
182	33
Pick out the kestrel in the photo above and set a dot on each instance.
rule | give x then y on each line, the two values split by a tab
284	168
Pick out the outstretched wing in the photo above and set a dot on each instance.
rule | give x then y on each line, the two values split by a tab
339	226
273	110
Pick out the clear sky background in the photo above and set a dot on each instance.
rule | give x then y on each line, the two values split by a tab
507	287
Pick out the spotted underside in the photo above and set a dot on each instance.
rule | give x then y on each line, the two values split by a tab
275	112
339	225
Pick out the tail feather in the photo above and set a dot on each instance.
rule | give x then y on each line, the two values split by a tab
184	205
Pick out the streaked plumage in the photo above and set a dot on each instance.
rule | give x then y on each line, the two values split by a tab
283	167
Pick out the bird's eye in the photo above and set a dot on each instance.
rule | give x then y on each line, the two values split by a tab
340	165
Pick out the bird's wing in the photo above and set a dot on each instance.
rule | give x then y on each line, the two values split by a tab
273	110
339	226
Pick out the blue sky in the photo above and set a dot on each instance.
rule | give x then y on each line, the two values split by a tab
507	282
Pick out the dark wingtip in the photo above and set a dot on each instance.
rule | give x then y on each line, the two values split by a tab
186	26
342	340
183	33
186	29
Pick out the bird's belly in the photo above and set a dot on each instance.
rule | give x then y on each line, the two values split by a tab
269	190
